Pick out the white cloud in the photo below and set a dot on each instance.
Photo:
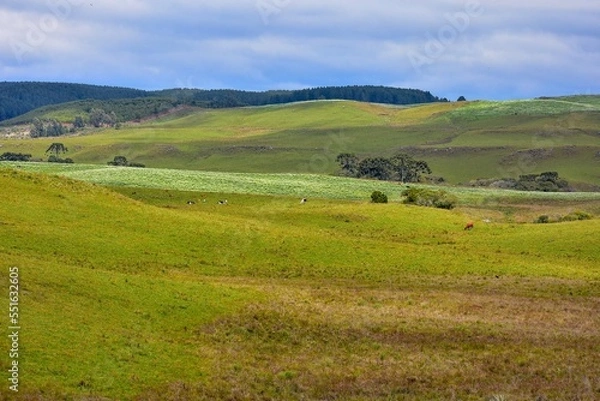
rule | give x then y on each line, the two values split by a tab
503	47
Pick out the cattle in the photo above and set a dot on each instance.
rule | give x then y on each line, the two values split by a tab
222	202
191	202
469	226
303	200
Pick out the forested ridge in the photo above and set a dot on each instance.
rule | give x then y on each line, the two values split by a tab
17	98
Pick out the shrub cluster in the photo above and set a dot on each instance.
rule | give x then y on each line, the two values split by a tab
56	159
122	161
545	182
428	197
574	216
379	197
15	157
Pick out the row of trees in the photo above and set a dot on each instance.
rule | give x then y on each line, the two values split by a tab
48	128
52	127
100	118
361	93
400	167
17	98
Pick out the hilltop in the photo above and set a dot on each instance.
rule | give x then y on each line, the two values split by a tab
463	142
18	98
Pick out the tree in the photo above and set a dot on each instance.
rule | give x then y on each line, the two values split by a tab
55	128
78	122
408	169
349	163
119	161
122	161
461	99
37	130
57	148
99	118
375	167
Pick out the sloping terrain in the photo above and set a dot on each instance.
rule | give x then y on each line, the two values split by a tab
460	141
140	295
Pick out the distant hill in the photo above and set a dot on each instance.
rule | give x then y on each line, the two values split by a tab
18	98
471	143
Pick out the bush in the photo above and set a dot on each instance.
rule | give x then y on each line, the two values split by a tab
542	219
379	197
427	197
578	215
56	159
15	157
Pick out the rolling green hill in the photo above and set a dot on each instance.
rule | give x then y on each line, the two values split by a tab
19	98
139	295
460	141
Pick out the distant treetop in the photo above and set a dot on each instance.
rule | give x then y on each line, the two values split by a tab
17	98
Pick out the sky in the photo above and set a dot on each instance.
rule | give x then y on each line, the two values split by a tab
480	49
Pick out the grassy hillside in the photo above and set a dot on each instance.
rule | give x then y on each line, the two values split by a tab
460	141
138	295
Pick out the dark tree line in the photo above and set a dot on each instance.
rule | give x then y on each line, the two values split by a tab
400	167
17	98
374	94
15	157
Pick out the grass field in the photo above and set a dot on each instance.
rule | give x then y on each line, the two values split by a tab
136	284
461	141
130	293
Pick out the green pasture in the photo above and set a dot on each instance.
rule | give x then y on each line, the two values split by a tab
132	293
136	284
306	138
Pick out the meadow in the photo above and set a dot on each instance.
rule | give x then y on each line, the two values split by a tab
461	141
137	284
131	293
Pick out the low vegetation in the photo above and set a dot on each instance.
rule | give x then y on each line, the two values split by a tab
266	298
287	281
429	197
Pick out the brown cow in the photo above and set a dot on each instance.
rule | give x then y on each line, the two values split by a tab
469	226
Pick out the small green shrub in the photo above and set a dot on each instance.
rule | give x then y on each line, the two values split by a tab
542	219
379	197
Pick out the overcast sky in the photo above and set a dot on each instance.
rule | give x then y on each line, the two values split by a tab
482	49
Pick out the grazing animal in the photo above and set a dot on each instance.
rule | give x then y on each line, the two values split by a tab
223	202
469	226
191	202
303	200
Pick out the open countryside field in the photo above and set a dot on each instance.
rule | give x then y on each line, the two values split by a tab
131	293
476	203
136	284
460	141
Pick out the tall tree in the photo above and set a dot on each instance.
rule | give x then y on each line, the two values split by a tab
408	169
375	167
349	163
57	148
